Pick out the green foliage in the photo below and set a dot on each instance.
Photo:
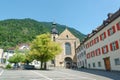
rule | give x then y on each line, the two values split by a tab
16	58
43	49
8	66
16	31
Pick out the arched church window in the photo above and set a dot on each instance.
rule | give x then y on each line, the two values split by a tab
67	48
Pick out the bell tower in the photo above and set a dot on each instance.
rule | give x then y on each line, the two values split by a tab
54	32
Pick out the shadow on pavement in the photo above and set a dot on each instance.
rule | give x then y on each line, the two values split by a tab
115	75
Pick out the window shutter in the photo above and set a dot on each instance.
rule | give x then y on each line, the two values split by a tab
113	27
97	39
102	50
117	45
107	48
92	42
108	32
118	26
104	35
99	51
111	46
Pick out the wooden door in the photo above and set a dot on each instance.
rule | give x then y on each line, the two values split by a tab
107	63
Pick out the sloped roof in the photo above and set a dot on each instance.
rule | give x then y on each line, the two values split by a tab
66	34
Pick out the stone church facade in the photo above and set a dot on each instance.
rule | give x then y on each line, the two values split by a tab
67	58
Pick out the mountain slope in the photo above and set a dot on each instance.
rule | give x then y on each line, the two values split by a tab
15	31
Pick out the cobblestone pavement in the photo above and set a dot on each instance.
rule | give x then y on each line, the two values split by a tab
52	74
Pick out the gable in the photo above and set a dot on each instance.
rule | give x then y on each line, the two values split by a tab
66	34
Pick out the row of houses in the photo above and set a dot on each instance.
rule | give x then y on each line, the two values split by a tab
101	48
4	56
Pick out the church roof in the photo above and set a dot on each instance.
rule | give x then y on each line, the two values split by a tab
66	34
54	31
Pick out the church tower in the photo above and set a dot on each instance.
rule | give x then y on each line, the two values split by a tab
54	32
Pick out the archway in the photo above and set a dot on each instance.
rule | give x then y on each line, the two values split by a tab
68	62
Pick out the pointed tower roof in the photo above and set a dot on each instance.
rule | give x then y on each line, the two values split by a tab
54	30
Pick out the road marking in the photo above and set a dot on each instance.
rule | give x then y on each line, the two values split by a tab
88	78
1	72
42	75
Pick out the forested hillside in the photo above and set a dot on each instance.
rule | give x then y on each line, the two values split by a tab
16	31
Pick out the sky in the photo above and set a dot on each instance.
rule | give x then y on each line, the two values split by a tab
83	15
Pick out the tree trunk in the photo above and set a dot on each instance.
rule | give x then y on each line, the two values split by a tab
41	66
45	65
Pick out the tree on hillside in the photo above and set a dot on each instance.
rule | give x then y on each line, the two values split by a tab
43	49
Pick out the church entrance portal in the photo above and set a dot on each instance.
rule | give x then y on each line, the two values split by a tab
68	62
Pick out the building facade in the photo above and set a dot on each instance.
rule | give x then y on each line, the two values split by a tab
103	45
1	56
69	42
81	56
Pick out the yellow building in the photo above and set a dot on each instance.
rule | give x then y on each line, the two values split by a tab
69	42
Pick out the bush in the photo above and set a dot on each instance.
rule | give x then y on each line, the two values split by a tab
8	66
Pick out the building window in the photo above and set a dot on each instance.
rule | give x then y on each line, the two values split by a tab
67	49
118	26
99	64
97	52
117	61
114	46
93	64
96	40
105	49
111	31
103	36
67	36
88	55
92	54
87	45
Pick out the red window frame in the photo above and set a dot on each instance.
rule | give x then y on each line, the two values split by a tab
113	30
105	47
118	26
104	36
116	45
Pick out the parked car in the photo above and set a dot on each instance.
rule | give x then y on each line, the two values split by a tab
28	67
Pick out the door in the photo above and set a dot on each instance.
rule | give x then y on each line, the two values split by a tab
107	63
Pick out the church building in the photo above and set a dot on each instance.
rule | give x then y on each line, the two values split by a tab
67	58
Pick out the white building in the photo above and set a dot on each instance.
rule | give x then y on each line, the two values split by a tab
1	55
103	45
81	56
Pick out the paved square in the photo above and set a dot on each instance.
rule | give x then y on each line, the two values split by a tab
55	74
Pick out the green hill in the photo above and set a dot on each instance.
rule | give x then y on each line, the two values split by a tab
15	31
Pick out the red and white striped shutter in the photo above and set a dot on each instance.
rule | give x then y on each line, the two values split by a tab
118	26
104	34
108	32
99	51
111	46
117	45
113	27
107	48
